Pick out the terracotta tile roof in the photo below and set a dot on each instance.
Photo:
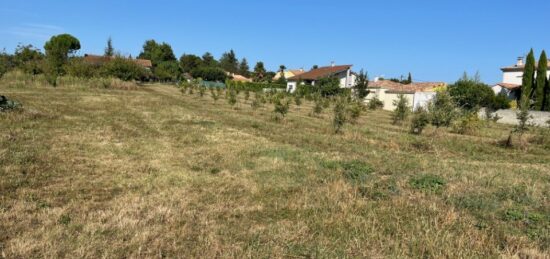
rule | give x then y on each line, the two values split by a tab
509	86
320	73
99	60
394	87
297	72
239	78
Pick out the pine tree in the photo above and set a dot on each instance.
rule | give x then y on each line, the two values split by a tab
528	78
244	69
547	97
409	79
541	82
109	50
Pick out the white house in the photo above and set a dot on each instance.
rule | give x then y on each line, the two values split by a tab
417	94
512	77
343	73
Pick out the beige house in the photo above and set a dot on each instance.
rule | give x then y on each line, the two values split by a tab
418	94
289	73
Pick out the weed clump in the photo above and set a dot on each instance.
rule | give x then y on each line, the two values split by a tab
6	104
428	183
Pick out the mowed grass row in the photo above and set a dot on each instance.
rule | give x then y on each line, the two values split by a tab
153	172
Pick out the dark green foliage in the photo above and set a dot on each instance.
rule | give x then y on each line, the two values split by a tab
209	74
317	105
6	62
215	96
354	110
281	106
471	94
29	59
500	101
232	97
361	85
123	69
109	50
229	62
259	72
467	124
6	105
189	62
328	86
375	104
244	69
419	121
157	52
202	90
428	183
167	71
339	114
78	68
528	80
541	83
208	60
442	110
58	49
356	172
402	109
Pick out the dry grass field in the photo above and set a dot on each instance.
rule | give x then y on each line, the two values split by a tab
152	172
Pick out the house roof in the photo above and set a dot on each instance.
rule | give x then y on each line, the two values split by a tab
321	72
239	78
516	68
99	60
509	86
394	87
289	73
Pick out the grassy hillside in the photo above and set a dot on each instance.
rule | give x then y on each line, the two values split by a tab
152	172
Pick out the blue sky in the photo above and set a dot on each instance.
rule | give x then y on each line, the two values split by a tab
434	40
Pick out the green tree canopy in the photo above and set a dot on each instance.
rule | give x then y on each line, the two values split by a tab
244	69
58	49
229	62
190	62
209	73
540	86
361	85
157	52
167	70
29	59
109	50
528	80
470	93
259	72
209	60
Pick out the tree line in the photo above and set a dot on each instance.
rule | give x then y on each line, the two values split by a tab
59	58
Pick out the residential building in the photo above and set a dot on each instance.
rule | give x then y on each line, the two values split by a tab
289	73
342	72
417	94
512	77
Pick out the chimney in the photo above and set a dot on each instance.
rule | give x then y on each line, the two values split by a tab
332	64
301	69
520	62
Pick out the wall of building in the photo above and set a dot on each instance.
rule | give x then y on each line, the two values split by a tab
510	117
418	99
515	77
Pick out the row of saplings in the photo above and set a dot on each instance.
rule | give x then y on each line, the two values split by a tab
442	111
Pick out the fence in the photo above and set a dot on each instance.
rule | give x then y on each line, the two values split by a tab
510	117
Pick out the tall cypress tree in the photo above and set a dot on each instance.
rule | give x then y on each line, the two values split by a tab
547	96
527	82
109	50
541	82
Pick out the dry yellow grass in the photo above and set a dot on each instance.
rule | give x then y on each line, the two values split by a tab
154	173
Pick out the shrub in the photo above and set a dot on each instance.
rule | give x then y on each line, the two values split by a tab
78	68
209	74
469	123
202	90
420	119
375	104
339	116
354	111
428	183
231	97
123	69
402	109
282	106
214	95
329	86
356	171
442	110
470	93
297	100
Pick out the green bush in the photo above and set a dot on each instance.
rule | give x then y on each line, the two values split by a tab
209	74
428	183
281	106
354	110
356	171
471	94
123	69
467	124
339	116
375	104
442	110
402	109
420	119
78	68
